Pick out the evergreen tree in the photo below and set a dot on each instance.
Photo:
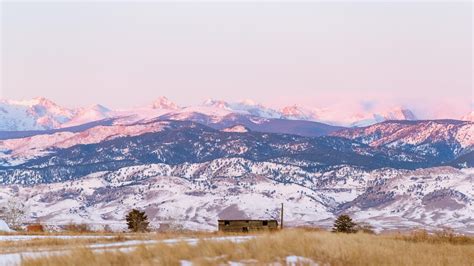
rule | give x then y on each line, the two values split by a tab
137	221
344	224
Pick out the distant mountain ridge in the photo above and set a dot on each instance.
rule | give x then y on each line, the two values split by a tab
43	114
63	155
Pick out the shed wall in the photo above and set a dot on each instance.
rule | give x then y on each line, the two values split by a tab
246	225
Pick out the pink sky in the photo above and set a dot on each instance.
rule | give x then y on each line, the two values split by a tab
349	55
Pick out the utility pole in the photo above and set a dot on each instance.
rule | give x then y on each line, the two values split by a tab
281	217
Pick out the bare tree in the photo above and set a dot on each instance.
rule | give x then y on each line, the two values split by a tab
14	213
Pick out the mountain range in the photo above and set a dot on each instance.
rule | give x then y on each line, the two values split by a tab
43	114
192	165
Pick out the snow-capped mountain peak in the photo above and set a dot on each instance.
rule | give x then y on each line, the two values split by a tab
293	110
248	107
34	114
216	103
399	113
252	108
363	119
100	108
164	103
42	106
32	102
88	114
298	112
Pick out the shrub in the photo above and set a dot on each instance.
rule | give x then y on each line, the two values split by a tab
344	224
77	228
445	235
107	229
364	228
310	228
35	228
14	213
137	221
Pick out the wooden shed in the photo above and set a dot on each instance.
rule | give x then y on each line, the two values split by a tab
246	225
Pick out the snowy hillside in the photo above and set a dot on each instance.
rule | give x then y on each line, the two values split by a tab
61	156
88	114
439	138
387	199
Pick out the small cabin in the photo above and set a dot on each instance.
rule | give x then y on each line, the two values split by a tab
246	225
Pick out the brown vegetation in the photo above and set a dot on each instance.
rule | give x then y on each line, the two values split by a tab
35	228
77	228
441	236
52	243
321	247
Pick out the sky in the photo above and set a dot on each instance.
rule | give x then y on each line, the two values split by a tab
348	55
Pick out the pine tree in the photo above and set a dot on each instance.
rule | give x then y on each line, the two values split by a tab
137	221
344	224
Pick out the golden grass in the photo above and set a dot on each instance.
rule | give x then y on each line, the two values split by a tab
322	247
442	236
52	243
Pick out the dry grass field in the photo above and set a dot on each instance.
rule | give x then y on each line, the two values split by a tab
72	240
323	248
51	243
